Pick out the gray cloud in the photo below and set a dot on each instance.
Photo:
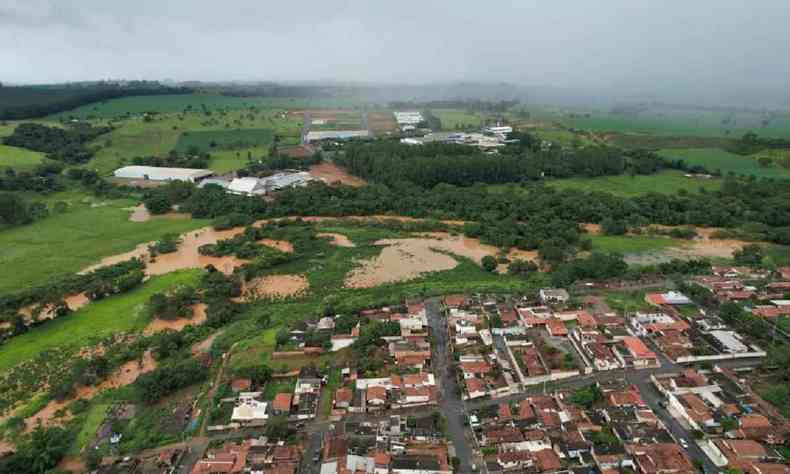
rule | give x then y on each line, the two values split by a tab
628	44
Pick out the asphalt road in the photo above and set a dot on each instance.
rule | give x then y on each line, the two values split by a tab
450	403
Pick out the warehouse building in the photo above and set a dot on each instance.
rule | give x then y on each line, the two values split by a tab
156	173
316	136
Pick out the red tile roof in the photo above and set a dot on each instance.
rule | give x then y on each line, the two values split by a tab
282	402
638	348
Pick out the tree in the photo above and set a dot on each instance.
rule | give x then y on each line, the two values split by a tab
750	255
765	161
283	336
489	263
613	227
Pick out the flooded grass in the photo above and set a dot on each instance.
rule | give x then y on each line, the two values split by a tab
109	316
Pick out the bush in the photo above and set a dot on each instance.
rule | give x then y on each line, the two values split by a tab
489	263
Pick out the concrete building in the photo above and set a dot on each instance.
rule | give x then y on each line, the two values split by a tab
315	136
156	173
247	186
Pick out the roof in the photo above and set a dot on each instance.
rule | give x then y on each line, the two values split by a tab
160	173
525	410
475	385
282	402
241	385
344	395
556	327
246	185
663	457
547	460
741	448
376	393
754	421
638	348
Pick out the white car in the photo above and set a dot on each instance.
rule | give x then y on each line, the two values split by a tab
684	443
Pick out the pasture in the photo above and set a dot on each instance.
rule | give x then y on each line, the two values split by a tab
715	159
673	121
665	182
165	104
19	158
98	319
65	243
209	140
454	119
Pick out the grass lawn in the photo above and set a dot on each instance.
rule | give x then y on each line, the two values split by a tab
716	159
630	244
454	119
94	321
779	395
224	161
622	301
65	243
276	386
19	158
93	419
208	140
665	182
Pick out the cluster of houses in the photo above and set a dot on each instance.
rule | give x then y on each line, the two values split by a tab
246	186
391	445
253	456
763	292
615	432
410	381
741	431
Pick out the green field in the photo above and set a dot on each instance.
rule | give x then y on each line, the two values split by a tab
453	119
715	159
628	244
224	161
196	102
209	140
135	137
62	244
665	182
19	158
669	121
94	321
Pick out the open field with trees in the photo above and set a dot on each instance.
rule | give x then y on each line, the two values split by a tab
715	159
665	182
631	244
19	158
209	140
457	119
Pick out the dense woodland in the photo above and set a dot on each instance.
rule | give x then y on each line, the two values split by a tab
62	144
20	103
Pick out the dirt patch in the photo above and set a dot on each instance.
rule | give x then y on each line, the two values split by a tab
158	325
204	346
74	302
593	229
331	173
72	464
124	375
281	245
338	240
702	246
278	286
139	214
186	256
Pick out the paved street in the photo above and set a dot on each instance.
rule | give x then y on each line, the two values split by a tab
450	403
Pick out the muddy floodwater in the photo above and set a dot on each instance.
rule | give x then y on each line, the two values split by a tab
158	325
281	245
338	240
406	259
124	375
186	256
275	286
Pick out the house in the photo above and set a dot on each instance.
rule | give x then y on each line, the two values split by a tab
556	328
554	295
241	385
741	450
282	403
416	464
662	458
343	397
668	298
249	409
641	357
376	397
231	458
476	388
156	173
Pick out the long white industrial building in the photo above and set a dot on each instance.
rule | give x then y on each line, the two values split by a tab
156	173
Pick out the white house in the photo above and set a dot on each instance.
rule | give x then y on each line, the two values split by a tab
249	409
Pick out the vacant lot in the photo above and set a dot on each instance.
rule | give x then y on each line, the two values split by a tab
631	244
210	140
19	158
65	243
98	319
726	162
382	122
666	182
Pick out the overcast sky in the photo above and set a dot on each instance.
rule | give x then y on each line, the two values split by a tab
565	43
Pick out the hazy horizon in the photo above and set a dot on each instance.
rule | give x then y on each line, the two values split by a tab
714	49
